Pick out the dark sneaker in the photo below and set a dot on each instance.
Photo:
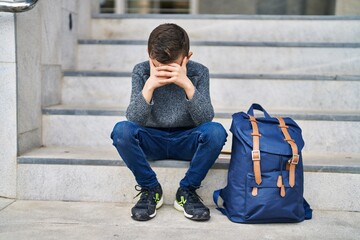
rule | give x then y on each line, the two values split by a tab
150	200
190	203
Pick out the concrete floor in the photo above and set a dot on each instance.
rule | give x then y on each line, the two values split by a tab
42	220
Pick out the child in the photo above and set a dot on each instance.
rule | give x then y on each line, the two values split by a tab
169	117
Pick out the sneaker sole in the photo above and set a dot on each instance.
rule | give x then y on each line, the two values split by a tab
178	207
158	205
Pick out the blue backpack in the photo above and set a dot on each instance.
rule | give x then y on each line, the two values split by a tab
265	178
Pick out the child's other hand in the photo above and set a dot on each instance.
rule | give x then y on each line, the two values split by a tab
172	73
175	73
152	83
154	80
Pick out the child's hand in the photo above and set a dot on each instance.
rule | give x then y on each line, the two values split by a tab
152	83
175	73
172	73
154	80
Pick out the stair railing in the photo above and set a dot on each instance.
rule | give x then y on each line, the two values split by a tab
18	6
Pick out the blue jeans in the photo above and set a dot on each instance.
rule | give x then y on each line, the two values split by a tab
200	145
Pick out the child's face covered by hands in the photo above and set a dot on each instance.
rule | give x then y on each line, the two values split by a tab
175	72
164	74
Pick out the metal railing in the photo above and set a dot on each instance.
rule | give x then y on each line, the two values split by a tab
17	6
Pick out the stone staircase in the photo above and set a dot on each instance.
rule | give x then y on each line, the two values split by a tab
307	68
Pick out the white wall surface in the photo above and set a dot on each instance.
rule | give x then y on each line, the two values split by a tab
8	128
28	51
34	48
46	40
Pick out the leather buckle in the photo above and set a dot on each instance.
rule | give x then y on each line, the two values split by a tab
289	140
295	159
255	155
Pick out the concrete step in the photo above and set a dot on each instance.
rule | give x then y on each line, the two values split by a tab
91	126
97	90
232	27
231	58
98	174
25	220
291	92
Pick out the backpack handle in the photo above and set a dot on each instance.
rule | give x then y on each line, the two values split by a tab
256	106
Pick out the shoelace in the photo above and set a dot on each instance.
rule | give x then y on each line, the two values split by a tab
193	196
143	191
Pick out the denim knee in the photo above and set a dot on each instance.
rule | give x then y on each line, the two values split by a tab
213	132
123	132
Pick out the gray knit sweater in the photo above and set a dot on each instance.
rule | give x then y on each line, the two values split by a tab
169	106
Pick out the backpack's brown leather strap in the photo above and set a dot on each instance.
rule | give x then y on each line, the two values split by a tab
295	158
255	154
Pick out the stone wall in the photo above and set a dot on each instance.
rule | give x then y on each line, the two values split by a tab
35	46
8	127
46	44
28	51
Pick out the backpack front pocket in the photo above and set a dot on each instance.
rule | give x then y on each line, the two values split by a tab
271	201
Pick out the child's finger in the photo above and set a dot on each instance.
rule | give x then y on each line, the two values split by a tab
169	68
152	66
164	74
165	81
184	62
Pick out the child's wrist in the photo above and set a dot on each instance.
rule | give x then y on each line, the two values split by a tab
148	87
190	90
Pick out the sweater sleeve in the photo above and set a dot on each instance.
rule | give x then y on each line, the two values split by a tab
200	107
138	110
